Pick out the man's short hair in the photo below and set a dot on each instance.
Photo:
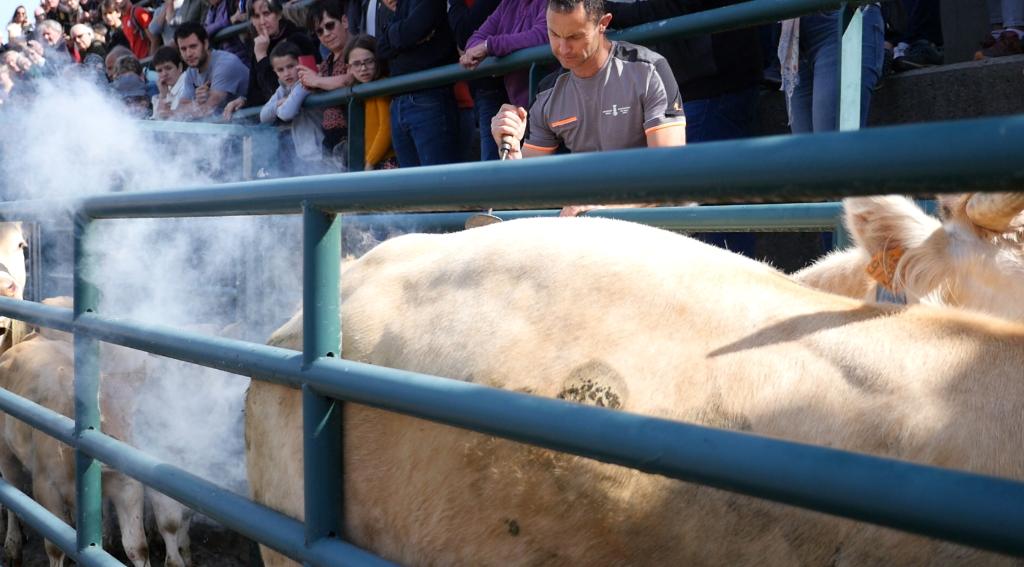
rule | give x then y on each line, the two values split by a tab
191	28
285	49
127	64
593	8
80	29
166	54
52	25
111	6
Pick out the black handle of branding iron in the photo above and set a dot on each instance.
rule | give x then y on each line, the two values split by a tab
506	147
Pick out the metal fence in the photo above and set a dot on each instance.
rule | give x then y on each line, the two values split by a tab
977	155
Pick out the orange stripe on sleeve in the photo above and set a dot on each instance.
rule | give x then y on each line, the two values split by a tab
668	125
540	148
563	122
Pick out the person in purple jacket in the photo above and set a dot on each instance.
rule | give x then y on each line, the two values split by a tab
515	25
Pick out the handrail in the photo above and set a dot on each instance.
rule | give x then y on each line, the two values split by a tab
719	19
923	159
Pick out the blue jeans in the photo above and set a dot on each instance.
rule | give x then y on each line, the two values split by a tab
424	127
487	102
815	102
726	117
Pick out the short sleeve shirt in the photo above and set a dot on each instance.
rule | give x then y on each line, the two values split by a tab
632	95
226	73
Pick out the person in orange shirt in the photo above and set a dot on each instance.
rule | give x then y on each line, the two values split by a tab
360	55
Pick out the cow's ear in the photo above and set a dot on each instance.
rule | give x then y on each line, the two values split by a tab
883	223
899	238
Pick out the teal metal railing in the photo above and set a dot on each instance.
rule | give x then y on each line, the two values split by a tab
974	155
963	156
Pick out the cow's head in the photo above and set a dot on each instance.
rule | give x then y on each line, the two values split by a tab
972	258
12	260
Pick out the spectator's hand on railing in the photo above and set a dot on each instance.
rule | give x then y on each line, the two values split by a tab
231	108
473	56
509	126
202	93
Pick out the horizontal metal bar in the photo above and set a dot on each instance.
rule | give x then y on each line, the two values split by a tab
59	318
922	159
262	362
201	128
234	511
698	23
963	507
51	527
58	426
788	216
38	210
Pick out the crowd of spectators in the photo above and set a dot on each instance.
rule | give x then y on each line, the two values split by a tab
165	64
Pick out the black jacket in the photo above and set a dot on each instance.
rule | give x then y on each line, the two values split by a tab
417	38
464	20
704	66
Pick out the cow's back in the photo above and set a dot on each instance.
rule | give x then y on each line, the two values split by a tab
591	311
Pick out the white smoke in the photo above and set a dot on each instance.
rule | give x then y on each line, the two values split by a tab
74	140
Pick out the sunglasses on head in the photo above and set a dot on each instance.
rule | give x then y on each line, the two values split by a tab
327	27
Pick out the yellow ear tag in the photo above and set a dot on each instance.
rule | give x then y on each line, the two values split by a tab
882	268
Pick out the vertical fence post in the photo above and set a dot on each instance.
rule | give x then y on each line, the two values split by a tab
248	171
356	135
321	416
851	35
88	520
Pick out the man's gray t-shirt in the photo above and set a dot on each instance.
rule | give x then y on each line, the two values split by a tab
226	73
633	94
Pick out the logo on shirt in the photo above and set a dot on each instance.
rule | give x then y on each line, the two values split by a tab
616	110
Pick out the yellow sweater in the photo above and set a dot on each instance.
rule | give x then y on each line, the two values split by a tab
378	130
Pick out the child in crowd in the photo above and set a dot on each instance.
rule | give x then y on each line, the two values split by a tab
170	82
305	152
360	54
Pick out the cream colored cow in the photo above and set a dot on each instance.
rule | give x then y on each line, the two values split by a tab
650	322
41	368
973	258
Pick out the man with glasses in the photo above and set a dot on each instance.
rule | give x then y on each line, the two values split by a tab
90	50
424	123
213	78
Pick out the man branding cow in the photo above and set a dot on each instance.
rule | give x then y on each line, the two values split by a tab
644	321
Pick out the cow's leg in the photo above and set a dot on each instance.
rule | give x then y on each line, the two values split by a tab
127	495
48	494
13	473
172	521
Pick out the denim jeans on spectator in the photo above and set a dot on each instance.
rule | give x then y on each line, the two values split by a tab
487	103
726	117
815	102
424	127
1009	13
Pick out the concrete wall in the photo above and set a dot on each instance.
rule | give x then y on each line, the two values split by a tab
994	87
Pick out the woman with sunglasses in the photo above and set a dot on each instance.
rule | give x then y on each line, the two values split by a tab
268	27
328	21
